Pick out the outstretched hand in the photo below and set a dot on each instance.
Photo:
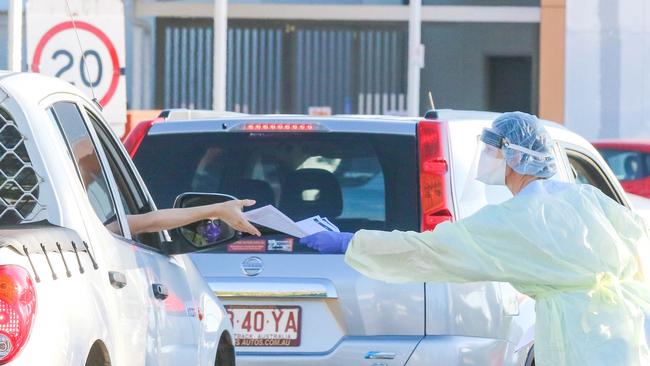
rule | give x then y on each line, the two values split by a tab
328	242
231	213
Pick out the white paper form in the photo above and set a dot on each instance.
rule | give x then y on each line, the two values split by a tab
273	218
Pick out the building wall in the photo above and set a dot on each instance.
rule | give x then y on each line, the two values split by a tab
457	54
456	64
608	68
552	59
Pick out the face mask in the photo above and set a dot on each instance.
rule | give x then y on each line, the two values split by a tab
491	170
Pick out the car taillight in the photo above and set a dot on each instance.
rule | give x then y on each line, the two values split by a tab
135	137
17	310
433	168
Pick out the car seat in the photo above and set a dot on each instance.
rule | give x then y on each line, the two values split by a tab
310	192
254	189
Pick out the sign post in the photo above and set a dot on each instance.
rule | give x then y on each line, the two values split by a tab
416	58
220	49
15	53
85	48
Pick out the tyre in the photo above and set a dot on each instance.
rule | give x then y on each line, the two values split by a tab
225	351
530	360
98	355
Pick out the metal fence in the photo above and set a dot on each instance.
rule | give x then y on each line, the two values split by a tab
285	67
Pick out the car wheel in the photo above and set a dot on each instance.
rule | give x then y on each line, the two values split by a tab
225	352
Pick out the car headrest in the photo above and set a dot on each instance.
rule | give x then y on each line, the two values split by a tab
310	192
631	165
254	189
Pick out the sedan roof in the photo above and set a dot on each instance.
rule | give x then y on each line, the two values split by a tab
633	145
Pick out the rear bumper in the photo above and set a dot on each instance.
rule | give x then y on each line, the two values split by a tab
458	350
430	350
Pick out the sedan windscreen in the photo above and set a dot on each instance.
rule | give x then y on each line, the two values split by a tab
358	181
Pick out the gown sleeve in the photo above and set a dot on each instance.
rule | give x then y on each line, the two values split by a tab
494	244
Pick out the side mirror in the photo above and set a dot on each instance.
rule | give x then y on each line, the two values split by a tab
203	234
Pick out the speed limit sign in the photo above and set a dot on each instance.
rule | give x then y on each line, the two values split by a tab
85	49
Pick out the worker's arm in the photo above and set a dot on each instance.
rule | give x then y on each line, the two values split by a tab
485	247
230	212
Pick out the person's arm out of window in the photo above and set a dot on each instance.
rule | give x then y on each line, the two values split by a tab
230	212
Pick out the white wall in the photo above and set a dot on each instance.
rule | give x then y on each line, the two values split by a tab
608	68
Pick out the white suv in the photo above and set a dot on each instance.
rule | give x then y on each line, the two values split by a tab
71	291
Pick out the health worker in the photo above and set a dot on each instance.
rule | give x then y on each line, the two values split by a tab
574	250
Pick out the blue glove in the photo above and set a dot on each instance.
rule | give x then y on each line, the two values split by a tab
328	242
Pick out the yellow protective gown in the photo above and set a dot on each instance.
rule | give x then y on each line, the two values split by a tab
571	248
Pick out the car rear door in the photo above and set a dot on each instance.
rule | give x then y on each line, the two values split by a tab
288	304
131	310
176	323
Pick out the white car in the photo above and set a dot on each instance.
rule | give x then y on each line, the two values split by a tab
71	291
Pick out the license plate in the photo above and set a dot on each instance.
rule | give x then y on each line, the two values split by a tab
265	325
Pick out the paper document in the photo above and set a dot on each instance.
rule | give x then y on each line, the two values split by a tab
273	218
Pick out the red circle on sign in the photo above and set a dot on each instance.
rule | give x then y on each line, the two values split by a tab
99	34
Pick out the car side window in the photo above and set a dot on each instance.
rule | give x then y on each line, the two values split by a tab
131	196
83	152
627	165
587	171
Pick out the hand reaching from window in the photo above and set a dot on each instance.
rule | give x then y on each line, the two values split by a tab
230	212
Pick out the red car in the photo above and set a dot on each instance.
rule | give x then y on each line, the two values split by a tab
630	161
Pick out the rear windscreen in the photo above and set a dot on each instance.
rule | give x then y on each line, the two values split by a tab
358	181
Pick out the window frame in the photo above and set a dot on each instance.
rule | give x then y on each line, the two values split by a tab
125	169
103	162
577	152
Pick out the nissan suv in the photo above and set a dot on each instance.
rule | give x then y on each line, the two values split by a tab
290	305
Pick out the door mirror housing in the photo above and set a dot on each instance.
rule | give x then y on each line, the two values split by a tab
204	234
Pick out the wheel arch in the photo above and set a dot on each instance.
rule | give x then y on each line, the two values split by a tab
98	355
530	360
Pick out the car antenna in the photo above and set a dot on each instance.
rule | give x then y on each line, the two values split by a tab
83	55
432	113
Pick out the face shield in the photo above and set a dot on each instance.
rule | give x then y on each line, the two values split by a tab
482	180
496	149
493	154
491	166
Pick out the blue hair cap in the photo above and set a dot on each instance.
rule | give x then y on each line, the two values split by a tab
525	130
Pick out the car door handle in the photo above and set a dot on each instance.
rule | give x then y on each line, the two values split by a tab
377	355
117	279
310	288
159	291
